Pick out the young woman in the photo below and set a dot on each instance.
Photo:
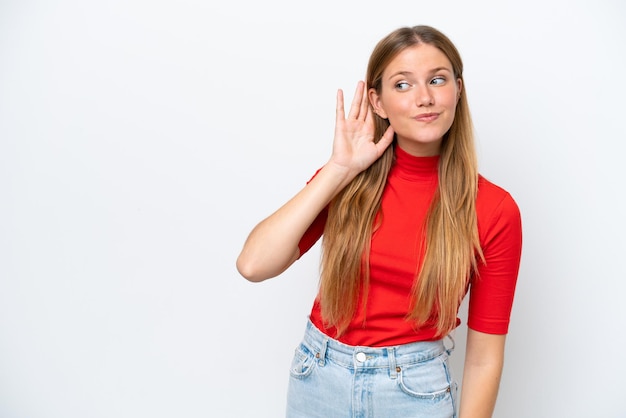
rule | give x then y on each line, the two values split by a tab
409	227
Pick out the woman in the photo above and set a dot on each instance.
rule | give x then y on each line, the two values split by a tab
409	227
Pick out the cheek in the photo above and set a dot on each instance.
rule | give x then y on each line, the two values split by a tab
397	108
450	99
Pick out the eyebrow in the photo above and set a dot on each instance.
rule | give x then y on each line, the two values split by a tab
434	70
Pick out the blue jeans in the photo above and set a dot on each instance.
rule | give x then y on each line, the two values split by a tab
329	379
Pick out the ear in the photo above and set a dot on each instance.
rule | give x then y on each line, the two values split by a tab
459	88
375	102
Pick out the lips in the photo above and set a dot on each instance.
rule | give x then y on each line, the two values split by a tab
426	117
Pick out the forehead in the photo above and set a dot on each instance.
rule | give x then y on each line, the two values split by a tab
417	59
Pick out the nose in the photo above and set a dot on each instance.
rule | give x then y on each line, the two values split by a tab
423	96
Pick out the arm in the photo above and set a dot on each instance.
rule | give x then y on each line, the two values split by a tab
272	246
491	299
484	358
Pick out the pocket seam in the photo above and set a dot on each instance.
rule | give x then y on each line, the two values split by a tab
434	395
305	359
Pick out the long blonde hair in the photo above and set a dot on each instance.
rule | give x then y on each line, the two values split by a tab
451	243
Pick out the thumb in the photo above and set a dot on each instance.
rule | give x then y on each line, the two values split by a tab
385	140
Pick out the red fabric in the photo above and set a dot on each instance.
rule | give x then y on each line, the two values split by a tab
396	253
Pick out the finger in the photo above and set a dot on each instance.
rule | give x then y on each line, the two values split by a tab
385	140
369	116
355	107
365	105
340	110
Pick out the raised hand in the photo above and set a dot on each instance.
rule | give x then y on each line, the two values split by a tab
354	148
272	246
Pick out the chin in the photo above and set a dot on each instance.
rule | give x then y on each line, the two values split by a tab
426	141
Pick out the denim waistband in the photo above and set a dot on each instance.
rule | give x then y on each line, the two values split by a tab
327	348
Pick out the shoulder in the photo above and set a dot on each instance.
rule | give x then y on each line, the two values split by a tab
492	197
496	209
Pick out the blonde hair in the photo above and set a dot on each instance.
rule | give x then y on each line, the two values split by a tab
451	243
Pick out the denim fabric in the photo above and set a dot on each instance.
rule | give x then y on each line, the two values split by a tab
329	379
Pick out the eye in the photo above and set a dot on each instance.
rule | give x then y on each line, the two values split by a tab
438	80
402	86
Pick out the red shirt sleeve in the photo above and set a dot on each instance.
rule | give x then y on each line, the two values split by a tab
315	231
493	288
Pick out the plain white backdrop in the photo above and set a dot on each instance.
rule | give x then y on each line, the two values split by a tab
140	141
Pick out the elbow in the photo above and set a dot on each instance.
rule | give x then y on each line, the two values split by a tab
249	270
259	267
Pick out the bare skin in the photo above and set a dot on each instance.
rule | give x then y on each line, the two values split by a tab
484	358
272	246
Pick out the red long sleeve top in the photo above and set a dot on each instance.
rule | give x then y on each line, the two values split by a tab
395	257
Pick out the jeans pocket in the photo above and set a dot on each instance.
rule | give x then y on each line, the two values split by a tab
303	362
426	380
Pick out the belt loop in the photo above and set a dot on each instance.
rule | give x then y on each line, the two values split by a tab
393	371
322	354
451	349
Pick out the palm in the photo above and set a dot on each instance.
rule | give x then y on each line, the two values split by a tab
354	147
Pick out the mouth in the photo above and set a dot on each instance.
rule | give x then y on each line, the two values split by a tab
426	117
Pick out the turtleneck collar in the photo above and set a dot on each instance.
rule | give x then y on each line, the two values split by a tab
410	167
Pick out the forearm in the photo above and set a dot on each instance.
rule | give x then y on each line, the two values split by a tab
272	246
484	361
479	391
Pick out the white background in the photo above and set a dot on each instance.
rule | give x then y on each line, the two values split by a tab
140	141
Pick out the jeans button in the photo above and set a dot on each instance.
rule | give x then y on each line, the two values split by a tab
361	357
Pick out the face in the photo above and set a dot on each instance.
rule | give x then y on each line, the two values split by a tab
418	95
